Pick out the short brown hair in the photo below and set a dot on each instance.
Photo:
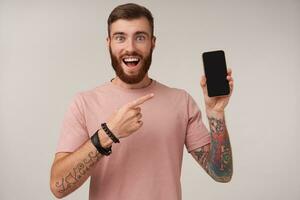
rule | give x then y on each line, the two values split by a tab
129	11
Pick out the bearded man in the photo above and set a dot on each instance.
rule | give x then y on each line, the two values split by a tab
129	133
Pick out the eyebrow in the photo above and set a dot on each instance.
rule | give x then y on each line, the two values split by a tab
118	33
142	32
136	33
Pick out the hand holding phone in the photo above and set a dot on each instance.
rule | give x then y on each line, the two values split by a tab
216	72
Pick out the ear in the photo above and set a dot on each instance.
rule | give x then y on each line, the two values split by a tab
107	41
153	41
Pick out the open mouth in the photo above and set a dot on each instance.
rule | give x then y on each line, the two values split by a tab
131	61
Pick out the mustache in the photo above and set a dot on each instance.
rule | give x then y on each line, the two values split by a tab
131	54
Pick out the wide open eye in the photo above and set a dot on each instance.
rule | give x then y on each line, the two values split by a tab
119	38
140	38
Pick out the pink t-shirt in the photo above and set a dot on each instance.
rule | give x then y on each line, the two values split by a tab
147	164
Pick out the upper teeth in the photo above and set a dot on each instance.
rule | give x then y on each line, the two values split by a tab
131	59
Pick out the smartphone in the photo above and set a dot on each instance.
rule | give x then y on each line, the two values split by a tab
216	72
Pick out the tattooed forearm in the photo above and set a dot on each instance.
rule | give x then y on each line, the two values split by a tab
80	169
202	156
216	125
220	161
216	158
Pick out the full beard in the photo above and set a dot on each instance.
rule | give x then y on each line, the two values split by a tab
131	79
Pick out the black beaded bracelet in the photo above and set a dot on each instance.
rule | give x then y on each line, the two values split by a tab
96	142
109	133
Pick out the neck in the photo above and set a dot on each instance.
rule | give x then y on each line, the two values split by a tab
144	83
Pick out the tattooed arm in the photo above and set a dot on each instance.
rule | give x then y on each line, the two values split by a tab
216	157
70	170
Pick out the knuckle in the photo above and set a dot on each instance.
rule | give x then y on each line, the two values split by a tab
131	113
137	112
134	102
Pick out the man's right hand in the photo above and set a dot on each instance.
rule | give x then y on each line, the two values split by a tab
127	119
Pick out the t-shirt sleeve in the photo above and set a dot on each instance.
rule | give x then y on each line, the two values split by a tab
196	133
73	132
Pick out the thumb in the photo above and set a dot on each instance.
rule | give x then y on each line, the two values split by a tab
203	81
203	84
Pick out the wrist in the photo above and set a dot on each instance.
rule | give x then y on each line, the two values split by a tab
110	134
215	113
113	129
105	141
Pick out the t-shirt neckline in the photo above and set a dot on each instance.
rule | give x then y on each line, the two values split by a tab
136	90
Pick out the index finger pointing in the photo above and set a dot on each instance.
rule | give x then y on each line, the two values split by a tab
140	100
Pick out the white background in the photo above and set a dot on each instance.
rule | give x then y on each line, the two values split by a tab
50	50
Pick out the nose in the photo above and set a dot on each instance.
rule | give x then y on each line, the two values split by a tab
130	46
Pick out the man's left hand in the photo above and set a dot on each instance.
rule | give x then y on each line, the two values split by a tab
218	103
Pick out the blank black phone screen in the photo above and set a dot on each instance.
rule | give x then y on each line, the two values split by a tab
216	72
